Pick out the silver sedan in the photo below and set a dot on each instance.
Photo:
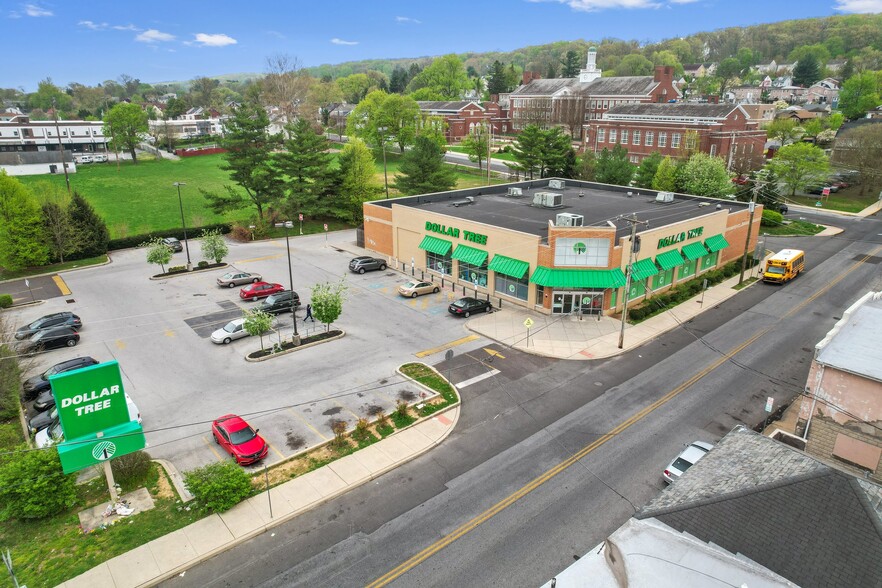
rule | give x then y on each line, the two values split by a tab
233	279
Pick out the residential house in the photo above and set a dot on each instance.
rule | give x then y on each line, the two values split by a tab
759	113
722	130
753	512
790	94
842	406
799	114
825	91
770	68
745	94
699	70
338	114
32	147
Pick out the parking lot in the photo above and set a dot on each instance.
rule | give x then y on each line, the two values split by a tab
181	381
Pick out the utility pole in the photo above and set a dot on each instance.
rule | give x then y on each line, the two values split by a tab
489	144
757	185
60	146
634	248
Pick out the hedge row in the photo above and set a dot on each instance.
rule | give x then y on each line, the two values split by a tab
137	240
684	291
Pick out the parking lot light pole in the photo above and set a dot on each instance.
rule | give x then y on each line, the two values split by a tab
288	226
183	223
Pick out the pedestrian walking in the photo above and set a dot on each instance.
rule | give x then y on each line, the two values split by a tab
309	313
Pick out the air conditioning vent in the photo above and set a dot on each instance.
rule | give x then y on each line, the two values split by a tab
665	197
515	192
464	201
566	219
557	184
547	200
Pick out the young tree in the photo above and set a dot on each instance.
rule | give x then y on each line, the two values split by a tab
859	94
214	247
32	485
786	130
248	158
22	236
257	322
124	124
357	184
613	167
91	230
62	237
327	302
799	166
305	166
158	252
703	175
476	144
423	170
585	166
647	169
570	65
728	71
381	116
666	176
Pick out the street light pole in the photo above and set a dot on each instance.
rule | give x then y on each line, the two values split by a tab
288	226
183	223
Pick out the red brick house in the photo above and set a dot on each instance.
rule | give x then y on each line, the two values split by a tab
722	130
464	115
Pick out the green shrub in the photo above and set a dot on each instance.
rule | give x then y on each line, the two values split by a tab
5	300
131	469
32	485
219	486
771	218
202	264
401	408
176	269
10	384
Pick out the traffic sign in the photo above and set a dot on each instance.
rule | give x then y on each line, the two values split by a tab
528	322
769	403
826	191
326	226
301	216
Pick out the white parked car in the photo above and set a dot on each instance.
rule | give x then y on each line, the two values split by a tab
687	458
235	329
53	434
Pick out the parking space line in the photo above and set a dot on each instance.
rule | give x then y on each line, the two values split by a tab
447	346
347	410
208	444
170	333
62	286
307	423
477	379
265	257
279	453
120	344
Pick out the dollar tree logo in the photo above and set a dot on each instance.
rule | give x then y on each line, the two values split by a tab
579	248
103	450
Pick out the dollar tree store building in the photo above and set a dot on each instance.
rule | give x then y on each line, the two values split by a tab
558	246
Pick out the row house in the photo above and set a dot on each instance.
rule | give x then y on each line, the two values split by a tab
464	116
32	147
676	130
699	70
573	102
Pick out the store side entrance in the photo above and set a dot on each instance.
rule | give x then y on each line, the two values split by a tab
585	302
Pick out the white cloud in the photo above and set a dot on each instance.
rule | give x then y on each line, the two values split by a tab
217	40
337	41
597	5
683	1
95	26
36	10
154	36
407	19
128	27
864	6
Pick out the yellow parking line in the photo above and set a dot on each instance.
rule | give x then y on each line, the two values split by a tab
59	281
169	333
279	453
265	257
120	344
209	445
447	346
306	422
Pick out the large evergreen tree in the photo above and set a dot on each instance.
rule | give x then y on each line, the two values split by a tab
423	170
90	229
305	166
497	82
570	65
558	159
248	158
527	151
807	71
613	167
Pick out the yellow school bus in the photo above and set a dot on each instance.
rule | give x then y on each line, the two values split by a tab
784	266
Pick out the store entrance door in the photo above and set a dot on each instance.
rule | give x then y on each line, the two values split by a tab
577	302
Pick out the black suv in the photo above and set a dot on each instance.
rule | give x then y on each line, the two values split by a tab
279	302
51	338
59	319
364	263
34	386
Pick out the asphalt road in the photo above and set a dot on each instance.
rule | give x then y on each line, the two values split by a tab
637	410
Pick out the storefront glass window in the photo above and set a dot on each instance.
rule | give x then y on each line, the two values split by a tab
662	279
443	264
540	294
687	269
709	261
637	290
473	274
512	286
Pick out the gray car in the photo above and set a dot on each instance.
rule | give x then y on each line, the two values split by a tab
365	264
237	278
173	244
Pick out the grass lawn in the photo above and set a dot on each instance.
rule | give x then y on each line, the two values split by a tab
494	155
51	268
796	227
847	200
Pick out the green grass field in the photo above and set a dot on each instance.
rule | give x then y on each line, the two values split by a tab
847	200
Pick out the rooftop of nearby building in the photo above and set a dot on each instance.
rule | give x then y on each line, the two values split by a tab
597	203
855	342
451	106
807	521
677	109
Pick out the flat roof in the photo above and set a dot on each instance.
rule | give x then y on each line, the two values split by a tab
597	203
855	344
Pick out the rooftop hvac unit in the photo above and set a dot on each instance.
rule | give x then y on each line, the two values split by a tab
547	200
557	184
515	192
665	197
566	219
464	201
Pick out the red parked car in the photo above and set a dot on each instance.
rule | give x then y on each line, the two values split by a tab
259	290
239	439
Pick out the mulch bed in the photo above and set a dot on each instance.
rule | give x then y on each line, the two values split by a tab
287	345
195	269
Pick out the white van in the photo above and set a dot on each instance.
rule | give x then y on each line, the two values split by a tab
99	158
83	159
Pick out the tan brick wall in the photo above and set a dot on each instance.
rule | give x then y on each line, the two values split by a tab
378	229
822	437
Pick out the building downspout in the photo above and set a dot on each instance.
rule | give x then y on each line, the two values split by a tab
808	421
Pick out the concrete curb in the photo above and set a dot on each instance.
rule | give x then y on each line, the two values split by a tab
158	277
177	479
298	348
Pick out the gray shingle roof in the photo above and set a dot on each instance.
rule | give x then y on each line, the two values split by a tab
453	106
811	523
545	87
684	109
620	86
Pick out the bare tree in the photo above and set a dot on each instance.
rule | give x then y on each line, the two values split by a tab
537	111
861	149
569	112
285	85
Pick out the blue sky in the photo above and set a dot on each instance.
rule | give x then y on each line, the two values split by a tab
159	40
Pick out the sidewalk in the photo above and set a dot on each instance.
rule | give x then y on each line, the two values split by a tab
170	555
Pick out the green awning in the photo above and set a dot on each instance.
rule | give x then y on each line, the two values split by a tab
470	255
578	278
716	243
508	266
669	259
436	245
645	268
694	251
